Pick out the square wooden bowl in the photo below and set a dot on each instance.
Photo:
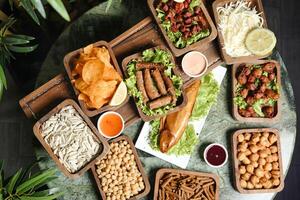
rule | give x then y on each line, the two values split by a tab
235	111
69	61
176	51
139	165
161	172
182	101
104	147
227	58
236	162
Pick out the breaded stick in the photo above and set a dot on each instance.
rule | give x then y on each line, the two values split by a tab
159	81
160	102
140	85
148	65
170	87
149	85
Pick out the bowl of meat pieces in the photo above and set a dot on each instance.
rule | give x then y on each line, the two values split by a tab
256	91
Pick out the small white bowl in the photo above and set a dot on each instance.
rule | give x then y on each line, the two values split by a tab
101	117
205	153
185	57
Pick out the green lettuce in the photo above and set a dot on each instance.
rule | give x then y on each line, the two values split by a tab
240	102
194	3
185	146
206	97
257	106
156	56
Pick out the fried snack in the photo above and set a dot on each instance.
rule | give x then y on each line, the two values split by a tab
178	186
175	123
258	158
149	85
159	81
160	102
170	87
95	77
140	85
148	65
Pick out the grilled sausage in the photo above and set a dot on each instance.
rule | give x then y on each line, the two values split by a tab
148	65
160	102
170	87
140	85
149	85
159	81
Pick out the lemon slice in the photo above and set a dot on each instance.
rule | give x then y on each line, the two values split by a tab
119	96
179	1
260	41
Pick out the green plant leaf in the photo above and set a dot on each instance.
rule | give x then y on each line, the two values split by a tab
12	182
22	49
109	3
1	93
1	163
27	5
58	5
13	41
33	182
39	6
44	193
2	77
50	197
24	37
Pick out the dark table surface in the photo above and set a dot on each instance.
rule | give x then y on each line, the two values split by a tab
17	142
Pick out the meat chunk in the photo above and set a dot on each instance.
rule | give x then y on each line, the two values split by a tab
140	85
149	85
160	102
148	65
159	81
170	87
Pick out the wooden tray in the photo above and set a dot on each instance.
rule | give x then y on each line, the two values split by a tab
195	46
69	63
235	112
139	165
161	172
236	162
182	100
101	154
227	58
131	41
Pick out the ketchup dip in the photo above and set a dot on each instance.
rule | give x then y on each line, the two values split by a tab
215	155
194	64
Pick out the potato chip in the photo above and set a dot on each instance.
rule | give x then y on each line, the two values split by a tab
95	77
92	71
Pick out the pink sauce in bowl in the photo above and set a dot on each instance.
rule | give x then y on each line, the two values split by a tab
194	64
215	155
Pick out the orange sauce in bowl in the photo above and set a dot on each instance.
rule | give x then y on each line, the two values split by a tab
111	124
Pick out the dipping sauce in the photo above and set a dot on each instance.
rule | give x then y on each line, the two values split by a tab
194	64
111	124
215	155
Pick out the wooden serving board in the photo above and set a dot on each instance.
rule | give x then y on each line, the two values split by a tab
143	35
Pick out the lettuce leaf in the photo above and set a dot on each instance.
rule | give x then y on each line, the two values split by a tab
257	106
240	102
206	97
185	146
156	56
194	3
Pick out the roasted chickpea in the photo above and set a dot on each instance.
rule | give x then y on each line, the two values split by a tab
255	164
258	186
267	185
269	159
272	139
276	182
246	176
268	167
254	179
275	166
243	146
253	148
275	173
250	185
262	161
273	149
275	157
250	168
246	161
248	152
262	153
268	175
243	183
247	136
242	169
241	156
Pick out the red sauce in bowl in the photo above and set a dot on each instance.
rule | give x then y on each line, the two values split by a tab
216	155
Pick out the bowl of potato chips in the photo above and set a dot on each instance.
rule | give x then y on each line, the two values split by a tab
96	78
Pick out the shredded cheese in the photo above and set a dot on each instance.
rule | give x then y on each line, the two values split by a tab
236	20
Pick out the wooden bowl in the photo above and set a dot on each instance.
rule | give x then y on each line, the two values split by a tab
227	58
161	172
139	165
69	61
235	112
236	162
180	102
104	147
176	51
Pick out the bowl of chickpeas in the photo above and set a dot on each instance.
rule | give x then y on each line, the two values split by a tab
120	175
257	161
